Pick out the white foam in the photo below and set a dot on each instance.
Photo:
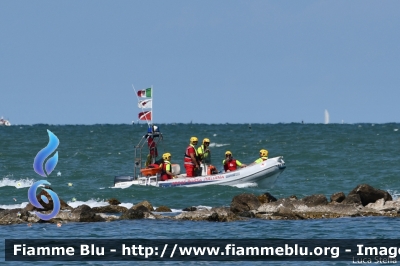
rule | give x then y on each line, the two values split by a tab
243	185
394	193
14	206
21	183
217	144
91	203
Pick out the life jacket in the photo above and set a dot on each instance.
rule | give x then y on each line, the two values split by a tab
164	175
212	170
230	165
259	160
205	155
187	159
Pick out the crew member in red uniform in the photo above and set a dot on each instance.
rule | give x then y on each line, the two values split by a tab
231	164
166	168
191	161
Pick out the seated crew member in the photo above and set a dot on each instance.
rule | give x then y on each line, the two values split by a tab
263	156
166	168
231	164
191	160
204	152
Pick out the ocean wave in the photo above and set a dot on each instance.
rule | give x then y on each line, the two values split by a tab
217	144
14	206
244	185
20	183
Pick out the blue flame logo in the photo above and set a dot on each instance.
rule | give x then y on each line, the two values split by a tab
49	167
33	200
44	153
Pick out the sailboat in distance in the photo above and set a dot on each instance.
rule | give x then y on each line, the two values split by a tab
326	117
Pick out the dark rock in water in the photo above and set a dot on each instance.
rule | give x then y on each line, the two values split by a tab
266	198
247	214
113	201
163	209
352	199
47	206
285	202
369	194
218	214
143	206
189	209
140	208
244	202
132	214
85	214
338	197
243	206
13	216
110	209
315	200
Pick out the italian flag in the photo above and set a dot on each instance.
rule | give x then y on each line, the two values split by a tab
144	93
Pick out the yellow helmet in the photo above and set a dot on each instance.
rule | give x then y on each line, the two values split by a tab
264	153
206	140
166	156
228	153
193	139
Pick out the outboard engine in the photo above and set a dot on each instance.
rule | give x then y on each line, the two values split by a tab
122	178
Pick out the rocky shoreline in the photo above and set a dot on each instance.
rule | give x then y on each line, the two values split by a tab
363	200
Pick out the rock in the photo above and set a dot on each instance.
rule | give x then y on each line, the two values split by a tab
352	199
293	197
85	214
385	206
109	209
338	197
132	214
369	194
163	209
315	200
189	209
244	202
143	206
266	198
220	214
113	201
13	216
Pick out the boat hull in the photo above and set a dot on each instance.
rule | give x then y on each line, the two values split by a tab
263	174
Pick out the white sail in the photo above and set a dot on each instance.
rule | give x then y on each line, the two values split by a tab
326	117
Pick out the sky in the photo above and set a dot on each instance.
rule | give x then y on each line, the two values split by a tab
225	61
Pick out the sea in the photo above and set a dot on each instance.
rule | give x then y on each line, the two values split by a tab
320	159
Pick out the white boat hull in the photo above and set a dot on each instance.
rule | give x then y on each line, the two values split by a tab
263	174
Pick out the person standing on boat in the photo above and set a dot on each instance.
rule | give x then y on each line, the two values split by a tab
231	164
263	156
191	160
204	152
166	168
152	133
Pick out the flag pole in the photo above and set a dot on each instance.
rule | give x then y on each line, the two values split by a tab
152	102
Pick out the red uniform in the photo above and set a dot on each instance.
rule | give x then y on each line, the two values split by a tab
164	169
231	165
187	161
152	147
